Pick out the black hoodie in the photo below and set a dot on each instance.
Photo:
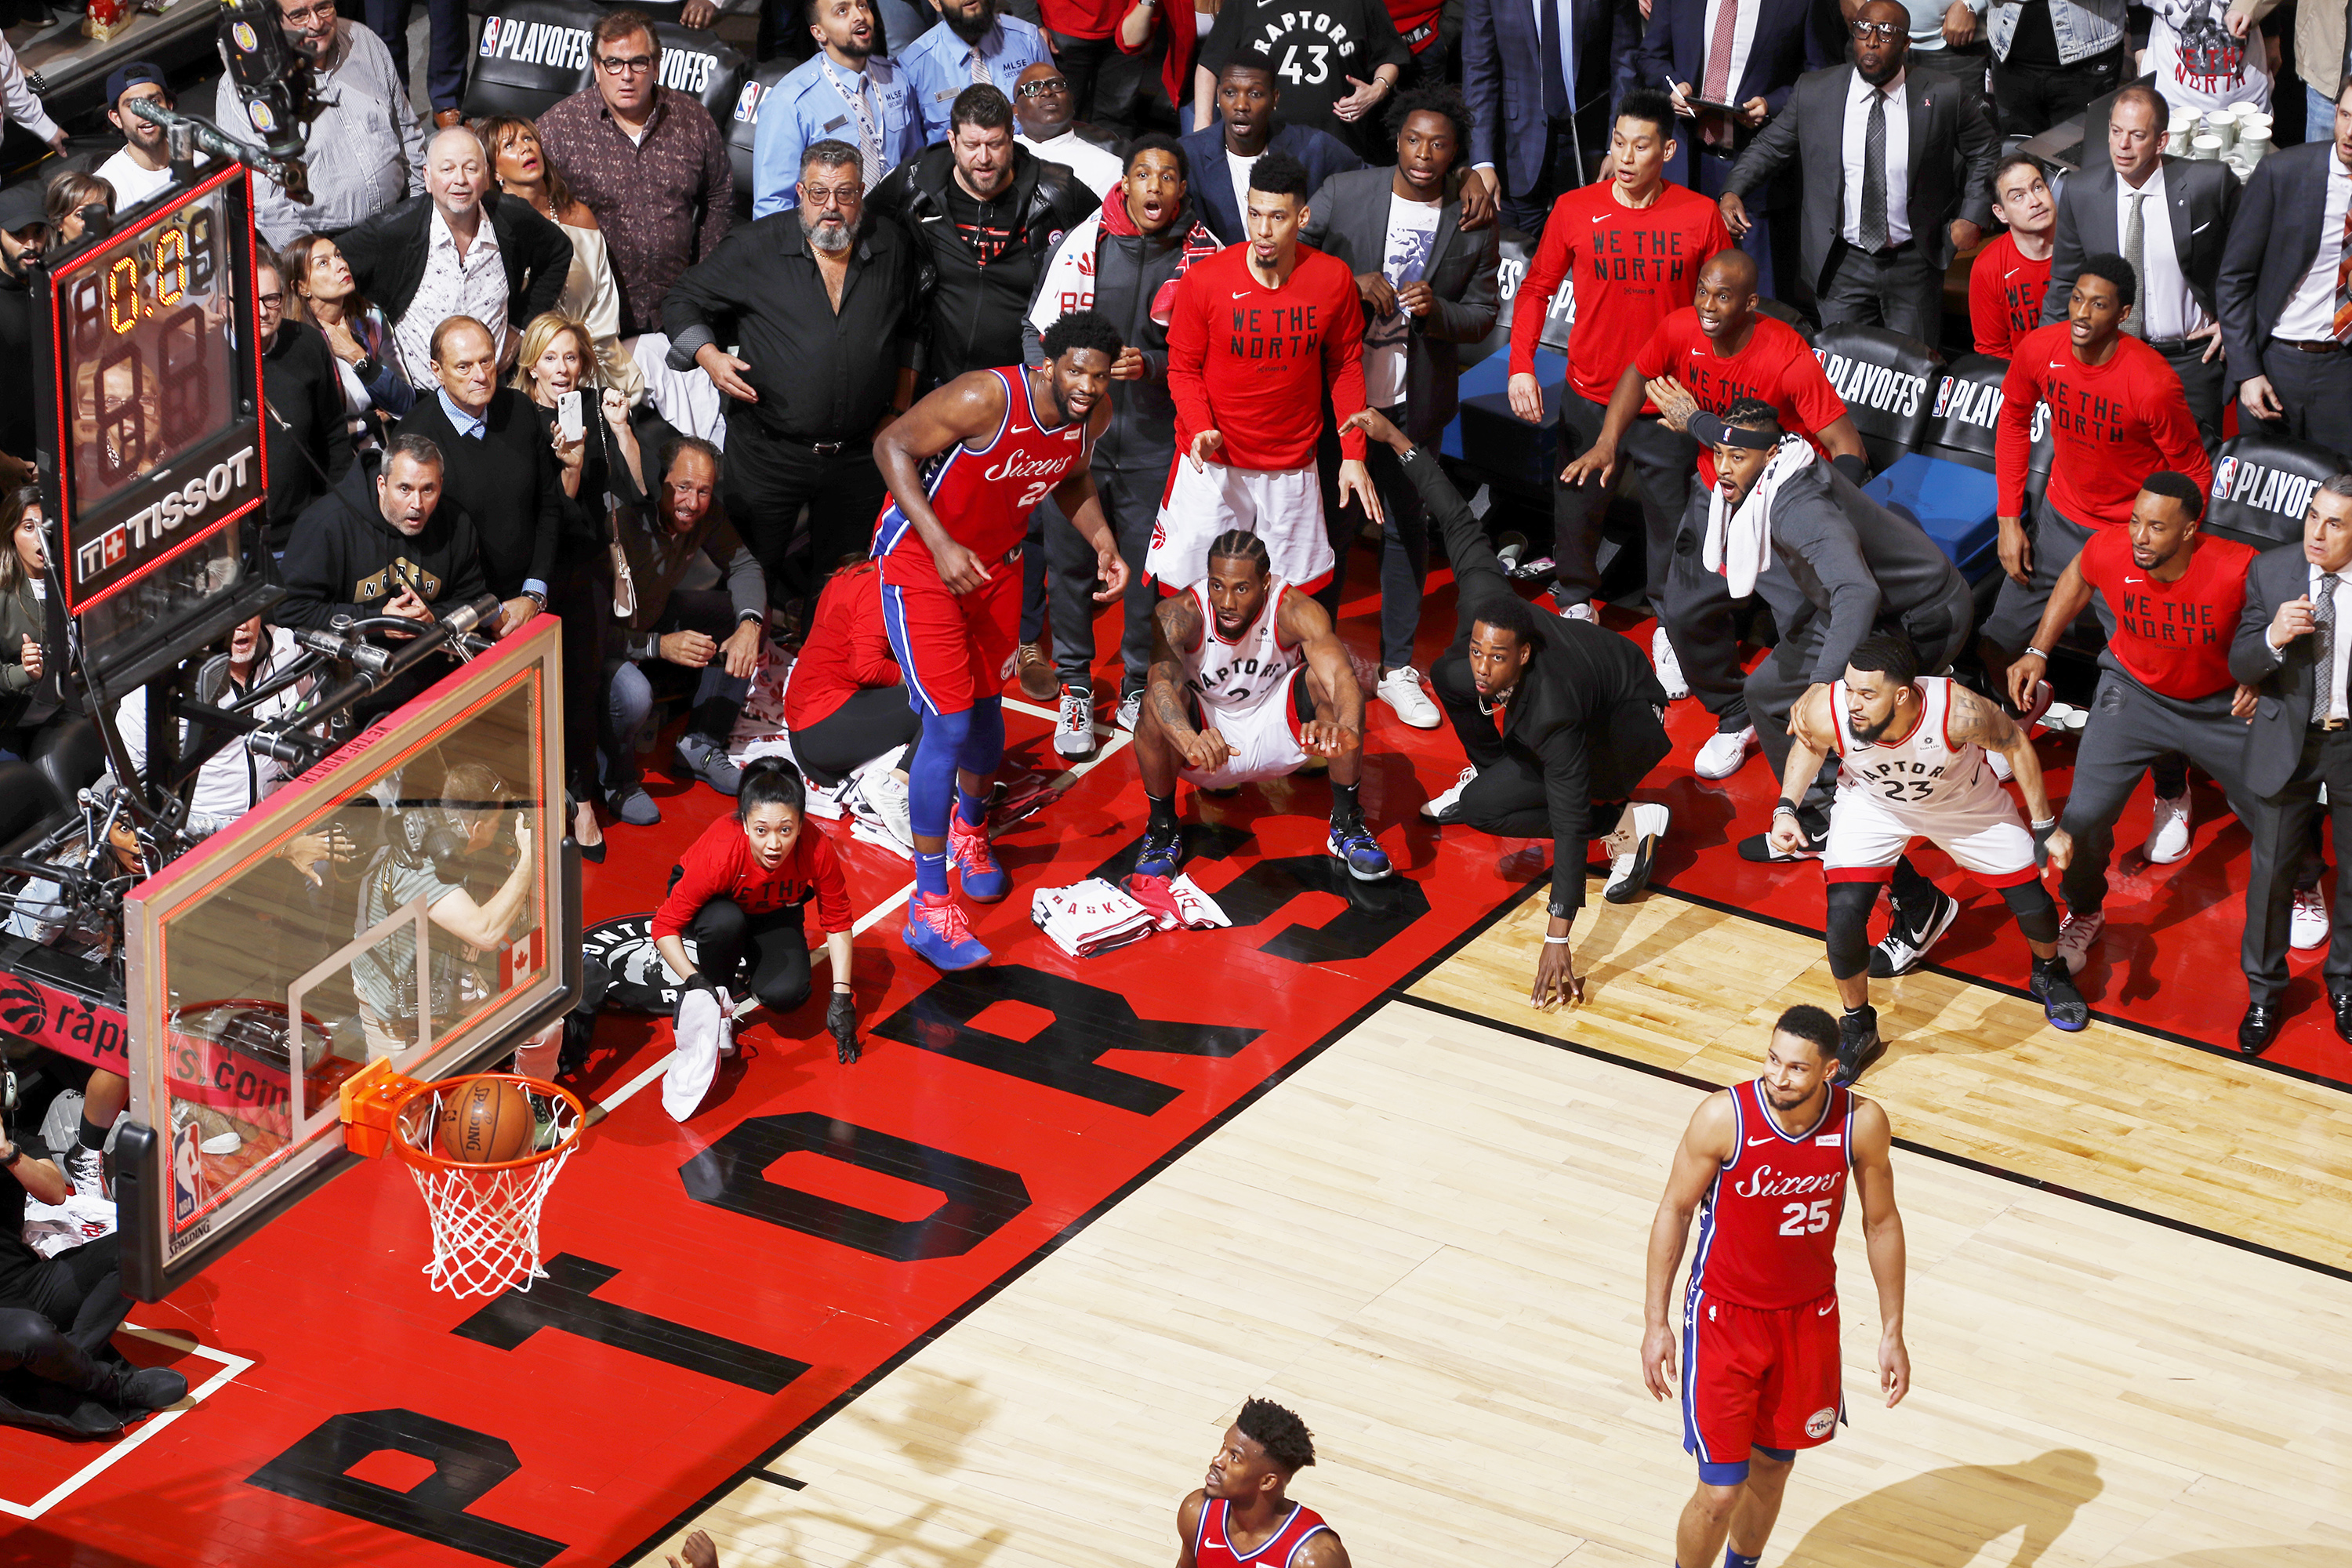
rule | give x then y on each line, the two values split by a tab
344	559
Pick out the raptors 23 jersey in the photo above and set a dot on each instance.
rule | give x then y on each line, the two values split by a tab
1212	1549
1921	769
1250	669
1768	1234
983	498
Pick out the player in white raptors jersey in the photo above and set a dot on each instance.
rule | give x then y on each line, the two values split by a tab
1247	682
1912	764
1239	1517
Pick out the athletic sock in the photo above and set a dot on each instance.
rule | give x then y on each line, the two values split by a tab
931	873
92	1137
1732	1559
1162	818
1346	810
973	808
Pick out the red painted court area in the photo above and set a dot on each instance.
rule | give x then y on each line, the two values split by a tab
719	1286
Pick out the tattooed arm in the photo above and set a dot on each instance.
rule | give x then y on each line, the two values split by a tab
1975	721
1176	623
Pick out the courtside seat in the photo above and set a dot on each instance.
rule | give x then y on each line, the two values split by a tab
70	755
1946	485
1487	436
1888	380
534	53
2262	486
742	127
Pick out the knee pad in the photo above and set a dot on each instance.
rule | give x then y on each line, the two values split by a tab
930	779
1849	928
2036	912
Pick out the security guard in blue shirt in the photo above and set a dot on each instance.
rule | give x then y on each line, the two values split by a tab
940	64
845	91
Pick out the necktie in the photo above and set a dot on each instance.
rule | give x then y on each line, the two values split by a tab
2343	323
869	134
1555	60
1873	230
2323	638
2134	246
978	68
1716	85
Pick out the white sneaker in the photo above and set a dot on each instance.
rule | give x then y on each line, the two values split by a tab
1073	727
1631	846
2075	935
1438	805
2168	836
1670	669
2307	927
1725	754
86	1169
1999	766
1401	690
1580	611
886	790
1131	709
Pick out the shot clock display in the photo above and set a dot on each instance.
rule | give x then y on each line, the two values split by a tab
153	393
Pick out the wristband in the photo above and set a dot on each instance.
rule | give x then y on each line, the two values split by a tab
1557	941
2044	824
1784	803
2032	652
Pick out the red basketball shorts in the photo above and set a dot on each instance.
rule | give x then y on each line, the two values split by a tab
1758	1378
951	648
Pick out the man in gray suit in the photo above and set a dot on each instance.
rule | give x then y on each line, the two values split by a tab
2169	217
2293	636
2278	290
1898	177
1426	286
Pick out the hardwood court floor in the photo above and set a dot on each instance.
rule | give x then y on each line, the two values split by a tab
1429	1240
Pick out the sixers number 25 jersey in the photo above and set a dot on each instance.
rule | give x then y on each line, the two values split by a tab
1247	670
1767	1236
983	498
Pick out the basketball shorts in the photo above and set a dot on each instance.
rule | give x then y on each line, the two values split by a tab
1263	737
1980	832
1282	506
1758	1378
951	648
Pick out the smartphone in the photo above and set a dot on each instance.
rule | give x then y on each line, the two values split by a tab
567	416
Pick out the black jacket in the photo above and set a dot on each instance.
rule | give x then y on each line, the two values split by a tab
2285	682
16	350
342	559
2274	239
387	255
1586	715
975	315
505	482
1129	269
309	441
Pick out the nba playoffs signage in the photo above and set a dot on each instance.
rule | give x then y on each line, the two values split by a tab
534	53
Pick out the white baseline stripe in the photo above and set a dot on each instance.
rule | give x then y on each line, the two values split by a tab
231	1365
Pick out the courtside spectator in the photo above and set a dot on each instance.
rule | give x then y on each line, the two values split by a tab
974	46
22	218
144	166
310	432
846	704
364	149
1338	60
1218	156
321	293
590	296
849	90
1041	108
24	624
2051	58
75	201
382	543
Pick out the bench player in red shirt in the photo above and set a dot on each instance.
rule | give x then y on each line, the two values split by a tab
966	466
1240	1517
1764	1166
2009	277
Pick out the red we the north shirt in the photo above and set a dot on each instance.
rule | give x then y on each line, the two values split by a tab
1253	363
2111	425
2172	637
2005	293
1774	364
718	865
1632	266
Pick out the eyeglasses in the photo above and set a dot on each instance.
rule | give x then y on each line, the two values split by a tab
270	301
317	11
1042	85
820	197
633	65
1886	31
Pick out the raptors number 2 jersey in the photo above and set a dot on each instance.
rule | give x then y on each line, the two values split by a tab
1767	1236
983	498
1212	1549
1923	768
1250	669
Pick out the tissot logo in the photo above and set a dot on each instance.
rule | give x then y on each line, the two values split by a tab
1879	386
227	484
2262	488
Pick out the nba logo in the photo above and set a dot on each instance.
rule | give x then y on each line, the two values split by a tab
187	1172
2224	471
242	35
489	36
1944	397
746	102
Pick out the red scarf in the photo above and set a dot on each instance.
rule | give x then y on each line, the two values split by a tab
1198	243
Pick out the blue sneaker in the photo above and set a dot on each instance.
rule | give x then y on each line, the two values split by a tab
1353	843
970	853
938	933
1159	853
2061	1004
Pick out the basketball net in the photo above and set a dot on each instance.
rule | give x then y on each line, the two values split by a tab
485	1216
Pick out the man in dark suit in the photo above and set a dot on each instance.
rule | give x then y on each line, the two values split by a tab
1221	154
1541	80
2185	208
1899	167
2293	640
2278	290
1426	286
1686	52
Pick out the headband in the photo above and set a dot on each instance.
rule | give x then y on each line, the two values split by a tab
1711	431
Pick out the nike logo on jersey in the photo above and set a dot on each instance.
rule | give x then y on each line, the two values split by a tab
1241	293
1753	1141
1017	429
1825	1311
2131	580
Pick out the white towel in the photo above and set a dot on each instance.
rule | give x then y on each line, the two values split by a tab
706	1028
1740	546
1199	911
79	1220
1089	916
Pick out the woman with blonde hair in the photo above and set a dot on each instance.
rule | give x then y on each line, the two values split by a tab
590	296
319	290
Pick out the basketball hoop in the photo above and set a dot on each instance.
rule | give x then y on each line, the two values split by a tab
485	1216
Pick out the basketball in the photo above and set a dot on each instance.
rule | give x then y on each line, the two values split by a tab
486	1122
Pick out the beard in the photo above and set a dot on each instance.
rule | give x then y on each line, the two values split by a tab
860	52
1871	734
973	28
828	234
1889	65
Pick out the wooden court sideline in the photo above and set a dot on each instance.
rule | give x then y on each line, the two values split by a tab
1429	1239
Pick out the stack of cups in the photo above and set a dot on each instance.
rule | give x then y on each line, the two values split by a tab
2223	122
2205	145
2177	135
2253	140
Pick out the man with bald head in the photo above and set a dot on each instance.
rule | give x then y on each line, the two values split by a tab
1898	177
460	249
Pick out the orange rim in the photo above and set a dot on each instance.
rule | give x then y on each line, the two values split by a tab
425	1159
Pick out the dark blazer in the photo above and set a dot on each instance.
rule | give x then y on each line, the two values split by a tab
387	255
1210	179
1348	217
2203	197
1502	78
1953	150
2282	707
505	482
2271	243
1674	51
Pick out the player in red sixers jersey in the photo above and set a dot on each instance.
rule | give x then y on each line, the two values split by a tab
1240	1518
966	466
1764	1165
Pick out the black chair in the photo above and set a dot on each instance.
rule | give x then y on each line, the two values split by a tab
2262	486
70	755
1887	379
534	53
741	125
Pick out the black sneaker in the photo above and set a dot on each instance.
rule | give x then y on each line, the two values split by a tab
150	1388
1160	854
1858	1047
1758	847
2055	989
1906	942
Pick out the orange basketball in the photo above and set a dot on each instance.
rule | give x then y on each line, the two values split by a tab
485	1122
